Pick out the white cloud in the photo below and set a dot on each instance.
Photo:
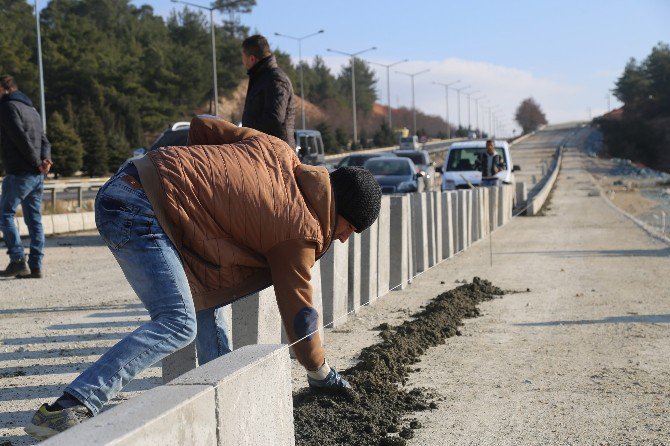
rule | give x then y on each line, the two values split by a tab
503	87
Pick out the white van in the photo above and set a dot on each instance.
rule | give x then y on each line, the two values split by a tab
459	164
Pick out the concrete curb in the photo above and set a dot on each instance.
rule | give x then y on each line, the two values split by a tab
537	201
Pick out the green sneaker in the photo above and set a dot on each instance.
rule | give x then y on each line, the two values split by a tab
47	423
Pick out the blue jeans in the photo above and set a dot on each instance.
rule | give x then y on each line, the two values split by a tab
151	264
486	182
26	190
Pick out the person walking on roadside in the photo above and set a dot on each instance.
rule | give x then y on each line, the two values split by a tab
268	106
26	155
489	163
197	227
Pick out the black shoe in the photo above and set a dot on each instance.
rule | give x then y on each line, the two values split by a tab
35	273
16	268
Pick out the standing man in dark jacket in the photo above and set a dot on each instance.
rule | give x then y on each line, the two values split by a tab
26	154
489	163
269	103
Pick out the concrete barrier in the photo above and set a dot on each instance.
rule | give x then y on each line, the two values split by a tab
256	319
437	224
430	229
501	205
538	200
493	209
469	211
400	242
75	222
521	193
369	252
60	224
354	273
334	283
243	398
447	236
462	215
419	233
384	247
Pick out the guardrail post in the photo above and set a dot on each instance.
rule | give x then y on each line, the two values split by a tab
383	247
419	232
80	197
354	273
438	221
334	283
400	267
369	252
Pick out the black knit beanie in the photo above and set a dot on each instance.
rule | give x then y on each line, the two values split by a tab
358	196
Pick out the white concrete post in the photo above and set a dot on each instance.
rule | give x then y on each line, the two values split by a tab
438	221
430	228
384	247
420	232
369	252
400	242
354	273
447	233
335	283
256	319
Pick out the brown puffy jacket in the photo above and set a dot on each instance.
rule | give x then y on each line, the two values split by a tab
244	214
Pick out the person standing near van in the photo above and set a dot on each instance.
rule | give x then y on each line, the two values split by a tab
268	106
489	163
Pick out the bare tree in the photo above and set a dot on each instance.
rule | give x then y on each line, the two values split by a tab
529	115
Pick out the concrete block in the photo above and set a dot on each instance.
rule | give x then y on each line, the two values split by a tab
400	268
89	220
165	415
462	220
474	214
335	284
437	224
75	222
430	228
419	232
256	319
179	362
501	206
493	208
447	227
354	273
369	253
48	224
384	247
521	193
61	225
254	404
21	226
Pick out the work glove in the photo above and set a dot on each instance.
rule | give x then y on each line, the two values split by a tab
332	382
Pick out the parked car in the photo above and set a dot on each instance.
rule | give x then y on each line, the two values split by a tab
409	143
359	159
309	147
394	174
459	164
425	166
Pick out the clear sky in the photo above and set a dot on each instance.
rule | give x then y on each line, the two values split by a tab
566	54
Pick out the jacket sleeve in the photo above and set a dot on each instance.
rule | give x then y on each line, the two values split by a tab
275	106
46	148
501	163
13	127
212	130
290	264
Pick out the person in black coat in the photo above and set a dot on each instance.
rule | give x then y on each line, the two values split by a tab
26	155
489	163
268	106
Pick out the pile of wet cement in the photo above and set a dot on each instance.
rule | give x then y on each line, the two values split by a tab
375	414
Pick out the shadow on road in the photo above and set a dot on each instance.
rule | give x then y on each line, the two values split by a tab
664	252
631	319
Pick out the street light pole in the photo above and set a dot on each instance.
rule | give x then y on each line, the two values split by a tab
477	109
458	101
468	95
353	82
302	90
211	27
446	100
41	68
388	85
412	75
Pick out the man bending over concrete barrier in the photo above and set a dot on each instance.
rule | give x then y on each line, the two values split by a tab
197	227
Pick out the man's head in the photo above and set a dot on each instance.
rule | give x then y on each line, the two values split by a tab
254	49
358	198
7	84
490	147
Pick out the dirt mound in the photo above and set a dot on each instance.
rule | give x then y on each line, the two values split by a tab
376	413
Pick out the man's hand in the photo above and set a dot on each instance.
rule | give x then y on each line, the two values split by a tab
332	382
45	167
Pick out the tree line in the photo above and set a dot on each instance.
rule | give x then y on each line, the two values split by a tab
640	131
115	74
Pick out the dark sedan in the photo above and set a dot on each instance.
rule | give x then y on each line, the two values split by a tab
394	174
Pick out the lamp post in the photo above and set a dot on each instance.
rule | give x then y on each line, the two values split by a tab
353	81
446	100
412	75
477	109
458	101
41	68
211	25
302	91
388	85
468	94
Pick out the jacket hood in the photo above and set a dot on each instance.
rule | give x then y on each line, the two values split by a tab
18	96
314	184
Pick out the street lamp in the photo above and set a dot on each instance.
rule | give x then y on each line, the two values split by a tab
353	82
458	96
477	108
211	24
41	68
388	85
468	94
412	75
302	91
446	98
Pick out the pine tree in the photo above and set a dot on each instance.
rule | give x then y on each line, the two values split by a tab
92	134
67	150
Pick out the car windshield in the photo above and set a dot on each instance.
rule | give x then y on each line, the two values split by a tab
464	159
383	166
417	158
171	138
